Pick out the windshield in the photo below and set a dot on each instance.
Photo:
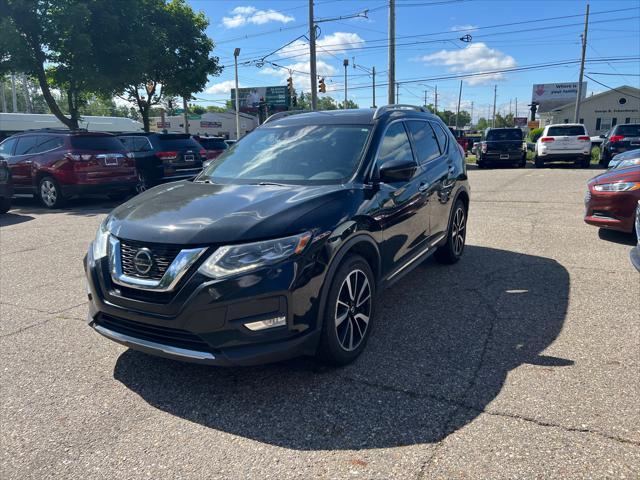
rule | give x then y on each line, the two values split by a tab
292	154
569	130
496	135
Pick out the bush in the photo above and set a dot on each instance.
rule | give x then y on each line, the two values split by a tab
534	134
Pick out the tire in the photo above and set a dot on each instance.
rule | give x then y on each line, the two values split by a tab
586	162
117	197
539	163
143	182
348	317
5	205
453	249
523	163
604	158
49	193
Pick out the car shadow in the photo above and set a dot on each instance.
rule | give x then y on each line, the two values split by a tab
444	341
11	218
617	237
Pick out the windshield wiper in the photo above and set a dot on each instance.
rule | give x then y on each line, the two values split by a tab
269	183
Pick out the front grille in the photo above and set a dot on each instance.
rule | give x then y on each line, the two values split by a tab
162	256
153	333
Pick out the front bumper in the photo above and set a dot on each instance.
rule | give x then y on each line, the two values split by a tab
203	320
614	211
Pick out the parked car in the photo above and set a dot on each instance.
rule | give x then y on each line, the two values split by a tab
6	186
502	146
619	139
280	248
214	146
564	142
612	199
55	165
635	251
164	157
462	140
625	159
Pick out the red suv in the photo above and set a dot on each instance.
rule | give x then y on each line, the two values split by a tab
58	164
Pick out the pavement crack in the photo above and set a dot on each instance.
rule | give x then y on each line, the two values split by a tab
28	327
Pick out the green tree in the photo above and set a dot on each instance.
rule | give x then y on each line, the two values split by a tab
350	104
175	58
483	124
197	109
215	109
535	134
77	47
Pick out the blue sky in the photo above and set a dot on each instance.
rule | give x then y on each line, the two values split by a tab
428	42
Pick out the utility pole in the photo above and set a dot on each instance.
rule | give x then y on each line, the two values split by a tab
471	113
576	117
236	53
27	98
312	57
458	109
186	113
436	97
425	98
392	49
397	93
495	94
516	107
14	98
345	62
374	86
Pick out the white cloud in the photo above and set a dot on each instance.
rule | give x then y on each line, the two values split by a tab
335	44
221	87
476	57
463	28
251	15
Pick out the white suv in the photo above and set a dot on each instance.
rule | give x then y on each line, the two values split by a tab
564	141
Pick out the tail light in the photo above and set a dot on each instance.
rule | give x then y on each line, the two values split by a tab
584	139
78	157
167	155
616	138
547	139
203	153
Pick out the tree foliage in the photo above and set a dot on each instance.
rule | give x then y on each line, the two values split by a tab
325	102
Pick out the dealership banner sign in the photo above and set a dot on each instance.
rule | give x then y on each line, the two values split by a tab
554	95
276	98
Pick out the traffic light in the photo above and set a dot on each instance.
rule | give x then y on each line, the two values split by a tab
290	85
322	88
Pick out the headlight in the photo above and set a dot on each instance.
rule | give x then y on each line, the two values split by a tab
234	259
101	241
617	187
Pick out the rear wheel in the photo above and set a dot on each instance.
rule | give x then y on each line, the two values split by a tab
50	193
143	182
539	163
585	162
349	312
452	250
523	161
5	205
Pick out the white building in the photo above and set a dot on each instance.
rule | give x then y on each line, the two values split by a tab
215	124
600	112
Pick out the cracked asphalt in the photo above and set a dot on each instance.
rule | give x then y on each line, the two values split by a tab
521	361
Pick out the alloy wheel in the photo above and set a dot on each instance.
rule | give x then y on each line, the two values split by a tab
353	310
48	193
142	183
458	231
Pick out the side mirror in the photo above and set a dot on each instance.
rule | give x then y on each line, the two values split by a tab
397	171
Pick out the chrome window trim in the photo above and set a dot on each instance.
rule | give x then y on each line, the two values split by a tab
178	268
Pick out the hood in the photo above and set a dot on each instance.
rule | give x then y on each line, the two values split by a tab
187	213
628	174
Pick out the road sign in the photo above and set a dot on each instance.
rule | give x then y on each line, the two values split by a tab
554	95
533	124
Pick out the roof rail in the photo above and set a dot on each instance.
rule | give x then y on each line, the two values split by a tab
283	114
396	106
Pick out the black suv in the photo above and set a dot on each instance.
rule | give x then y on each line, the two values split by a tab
620	138
502	146
280	247
164	157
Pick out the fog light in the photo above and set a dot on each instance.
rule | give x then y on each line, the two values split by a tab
269	323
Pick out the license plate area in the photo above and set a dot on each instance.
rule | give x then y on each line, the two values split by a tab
189	158
110	160
504	156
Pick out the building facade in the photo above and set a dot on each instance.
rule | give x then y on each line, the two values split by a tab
215	124
600	112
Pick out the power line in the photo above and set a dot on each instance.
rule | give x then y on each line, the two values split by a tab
611	88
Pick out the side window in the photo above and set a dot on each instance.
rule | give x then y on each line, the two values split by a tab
424	141
127	142
442	137
49	143
26	145
141	144
394	145
6	147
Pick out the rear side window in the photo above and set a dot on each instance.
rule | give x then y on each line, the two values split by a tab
424	139
26	145
569	130
49	143
507	134
395	145
628	130
6	147
136	144
177	142
87	142
442	137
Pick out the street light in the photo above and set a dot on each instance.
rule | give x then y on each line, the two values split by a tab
236	52
346	64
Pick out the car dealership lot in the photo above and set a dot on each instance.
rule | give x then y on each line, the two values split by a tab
521	360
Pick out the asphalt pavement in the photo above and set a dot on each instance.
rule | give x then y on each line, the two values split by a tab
520	361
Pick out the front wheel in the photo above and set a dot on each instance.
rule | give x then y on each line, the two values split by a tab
50	193
349	312
452	250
